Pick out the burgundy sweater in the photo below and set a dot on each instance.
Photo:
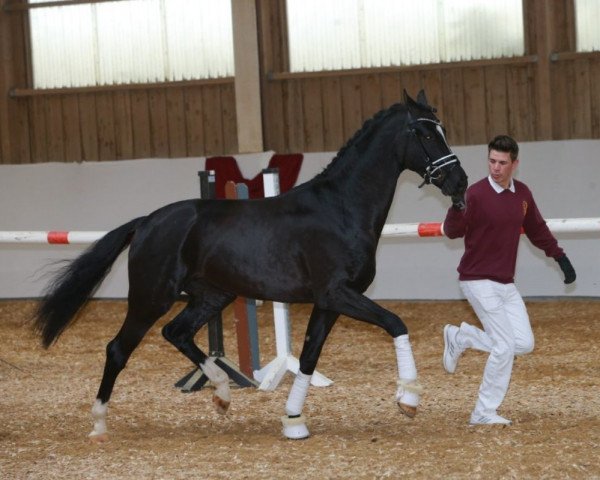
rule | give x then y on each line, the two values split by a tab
491	224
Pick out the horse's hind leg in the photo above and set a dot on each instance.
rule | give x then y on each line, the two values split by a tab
181	330
140	317
319	326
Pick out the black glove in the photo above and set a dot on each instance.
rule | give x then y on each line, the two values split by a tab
565	265
458	201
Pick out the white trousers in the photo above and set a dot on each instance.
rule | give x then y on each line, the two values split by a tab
506	333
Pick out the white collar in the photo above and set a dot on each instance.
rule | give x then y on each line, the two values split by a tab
500	188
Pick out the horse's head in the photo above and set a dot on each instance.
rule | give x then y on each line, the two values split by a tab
427	152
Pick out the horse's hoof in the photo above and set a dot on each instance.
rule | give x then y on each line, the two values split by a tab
100	438
408	410
294	428
220	405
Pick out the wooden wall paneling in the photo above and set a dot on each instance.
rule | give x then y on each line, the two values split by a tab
271	45
580	101
293	116
475	106
391	93
273	114
411	82
176	127
5	84
228	118
123	125
560	103
15	142
370	95
452	106
521	118
530	110
351	106
538	28
193	120
37	121
55	138
106	126
19	130
5	143
563	24
272	28
302	114
88	121
159	133
595	97
211	120
333	131
431	82
15	146
72	129
140	124
312	107
496	102
531	13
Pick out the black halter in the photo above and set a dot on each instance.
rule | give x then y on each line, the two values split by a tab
434	168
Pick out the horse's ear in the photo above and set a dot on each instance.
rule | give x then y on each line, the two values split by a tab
422	98
407	98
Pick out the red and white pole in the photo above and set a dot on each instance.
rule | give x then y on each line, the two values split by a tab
52	237
556	225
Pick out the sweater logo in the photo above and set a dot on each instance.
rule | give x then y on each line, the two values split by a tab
524	208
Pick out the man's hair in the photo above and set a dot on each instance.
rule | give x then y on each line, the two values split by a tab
504	143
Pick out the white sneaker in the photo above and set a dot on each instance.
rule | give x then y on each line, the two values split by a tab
452	351
489	419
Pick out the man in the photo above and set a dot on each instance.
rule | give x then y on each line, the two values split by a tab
496	209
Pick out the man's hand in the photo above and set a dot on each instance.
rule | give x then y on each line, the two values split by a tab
565	265
458	201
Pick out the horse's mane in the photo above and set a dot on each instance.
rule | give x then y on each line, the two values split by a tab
364	133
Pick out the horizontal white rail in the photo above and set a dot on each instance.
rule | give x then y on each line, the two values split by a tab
424	229
556	225
51	237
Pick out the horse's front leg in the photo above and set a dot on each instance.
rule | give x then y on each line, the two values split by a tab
319	326
409	390
356	305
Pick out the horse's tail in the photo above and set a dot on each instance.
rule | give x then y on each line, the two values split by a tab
72	285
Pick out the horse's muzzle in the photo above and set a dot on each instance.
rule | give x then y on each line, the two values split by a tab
455	182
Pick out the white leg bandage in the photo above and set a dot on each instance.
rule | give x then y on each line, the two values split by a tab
406	362
295	427
99	415
295	401
408	388
218	377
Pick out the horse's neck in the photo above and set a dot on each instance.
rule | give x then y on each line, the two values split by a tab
367	183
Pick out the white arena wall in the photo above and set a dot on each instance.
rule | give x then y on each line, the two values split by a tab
564	177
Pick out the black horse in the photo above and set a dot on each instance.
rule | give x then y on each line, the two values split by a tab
314	244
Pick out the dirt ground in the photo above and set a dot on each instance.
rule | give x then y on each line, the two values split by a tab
356	429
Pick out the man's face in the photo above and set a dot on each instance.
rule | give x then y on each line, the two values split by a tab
501	167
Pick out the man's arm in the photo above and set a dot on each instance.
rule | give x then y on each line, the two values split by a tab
455	223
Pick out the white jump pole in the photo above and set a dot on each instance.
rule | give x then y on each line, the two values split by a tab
271	374
435	229
51	237
404	230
